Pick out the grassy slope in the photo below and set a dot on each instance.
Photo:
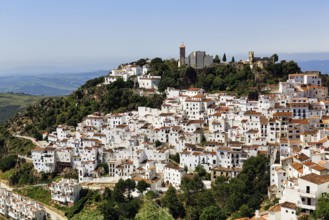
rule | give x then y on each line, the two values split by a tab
12	103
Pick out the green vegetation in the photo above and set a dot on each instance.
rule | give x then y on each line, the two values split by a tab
2	217
175	158
88	214
224	58
115	203
142	186
171	202
6	175
232	77
237	197
8	162
322	208
24	174
12	145
150	211
38	193
11	103
119	96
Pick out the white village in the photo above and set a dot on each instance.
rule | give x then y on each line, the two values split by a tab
218	131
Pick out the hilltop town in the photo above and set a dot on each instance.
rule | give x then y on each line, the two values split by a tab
196	129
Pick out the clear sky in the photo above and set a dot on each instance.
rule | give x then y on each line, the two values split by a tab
97	34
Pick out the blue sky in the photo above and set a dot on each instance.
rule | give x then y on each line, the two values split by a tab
76	35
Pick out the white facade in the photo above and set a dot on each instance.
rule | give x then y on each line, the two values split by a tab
173	174
17	207
66	191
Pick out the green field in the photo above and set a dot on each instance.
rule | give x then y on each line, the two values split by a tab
12	103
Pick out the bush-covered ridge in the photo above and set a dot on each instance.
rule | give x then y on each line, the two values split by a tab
45	115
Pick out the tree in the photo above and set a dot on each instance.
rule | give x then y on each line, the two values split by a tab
175	158
108	211
233	60
129	209
107	194
216	59
105	167
218	83
170	201
141	62
8	162
191	183
274	58
150	211
158	143
130	185
224	58
322	208
213	212
200	170
203	139
190	75
142	186
118	191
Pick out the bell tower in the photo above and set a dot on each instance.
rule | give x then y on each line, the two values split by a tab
251	57
181	55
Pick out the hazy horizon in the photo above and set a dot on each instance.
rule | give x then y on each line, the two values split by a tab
113	63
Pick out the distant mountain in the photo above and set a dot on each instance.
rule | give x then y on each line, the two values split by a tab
46	84
318	65
12	103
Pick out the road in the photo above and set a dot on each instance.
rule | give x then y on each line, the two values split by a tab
53	215
28	138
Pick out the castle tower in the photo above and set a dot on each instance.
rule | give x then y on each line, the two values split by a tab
251	57
181	55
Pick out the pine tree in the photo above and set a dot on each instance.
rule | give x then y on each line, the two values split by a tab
224	58
170	201
216	59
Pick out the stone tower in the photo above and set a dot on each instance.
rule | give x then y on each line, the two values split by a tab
181	55
251	57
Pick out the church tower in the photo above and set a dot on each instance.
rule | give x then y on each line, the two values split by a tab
251	57
181	55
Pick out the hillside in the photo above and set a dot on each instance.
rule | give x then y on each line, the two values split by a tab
11	103
46	114
122	96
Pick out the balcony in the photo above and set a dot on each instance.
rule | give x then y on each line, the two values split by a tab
305	206
307	194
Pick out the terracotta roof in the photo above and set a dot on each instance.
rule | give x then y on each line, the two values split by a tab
194	89
299	121
314	166
296	166
289	205
166	114
282	114
302	157
275	208
38	149
315	178
252	113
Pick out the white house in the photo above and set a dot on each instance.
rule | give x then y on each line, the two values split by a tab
66	191
173	174
17	207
